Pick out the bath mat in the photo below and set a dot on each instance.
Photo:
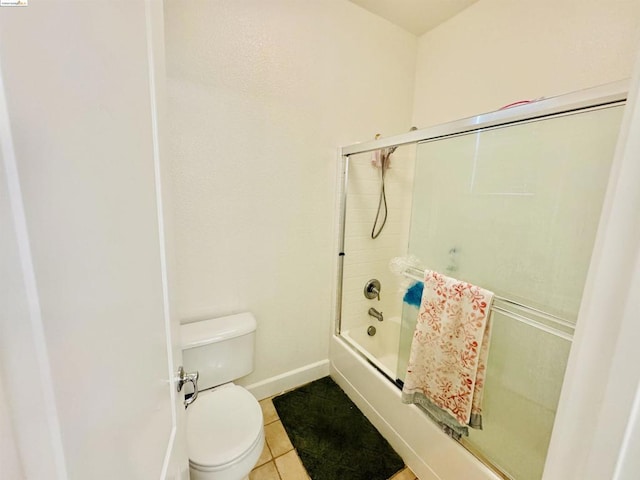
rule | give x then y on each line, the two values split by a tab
333	438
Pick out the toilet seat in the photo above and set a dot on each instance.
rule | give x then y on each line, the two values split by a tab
224	425
245	462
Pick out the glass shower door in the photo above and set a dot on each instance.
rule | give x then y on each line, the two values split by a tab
515	210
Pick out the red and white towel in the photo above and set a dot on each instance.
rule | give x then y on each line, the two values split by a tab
450	347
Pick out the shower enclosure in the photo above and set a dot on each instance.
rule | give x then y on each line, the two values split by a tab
509	201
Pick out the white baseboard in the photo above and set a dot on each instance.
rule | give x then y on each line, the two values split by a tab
288	380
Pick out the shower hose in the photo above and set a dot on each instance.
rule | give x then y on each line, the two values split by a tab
382	202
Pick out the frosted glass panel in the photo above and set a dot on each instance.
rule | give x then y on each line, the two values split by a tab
515	209
524	377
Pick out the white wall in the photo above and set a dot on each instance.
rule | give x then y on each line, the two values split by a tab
501	51
261	95
10	464
18	355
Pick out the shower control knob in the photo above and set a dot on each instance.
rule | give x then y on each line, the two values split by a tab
372	289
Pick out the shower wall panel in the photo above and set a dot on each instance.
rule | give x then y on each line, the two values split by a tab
366	258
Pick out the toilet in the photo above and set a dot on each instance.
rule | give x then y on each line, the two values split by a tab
225	434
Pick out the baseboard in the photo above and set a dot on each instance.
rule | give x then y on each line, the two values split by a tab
288	380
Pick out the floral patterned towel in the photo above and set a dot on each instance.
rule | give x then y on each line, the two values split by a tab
450	346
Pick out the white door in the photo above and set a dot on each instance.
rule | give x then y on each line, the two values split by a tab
86	355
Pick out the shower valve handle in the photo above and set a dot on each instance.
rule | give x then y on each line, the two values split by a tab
376	292
372	289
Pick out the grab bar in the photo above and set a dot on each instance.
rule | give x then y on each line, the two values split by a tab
416	274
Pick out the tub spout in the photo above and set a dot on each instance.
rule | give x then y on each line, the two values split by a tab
376	314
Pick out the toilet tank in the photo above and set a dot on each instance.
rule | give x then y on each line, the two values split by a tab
221	349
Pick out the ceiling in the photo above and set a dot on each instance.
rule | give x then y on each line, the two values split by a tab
415	16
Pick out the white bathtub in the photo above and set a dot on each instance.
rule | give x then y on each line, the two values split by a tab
381	348
431	454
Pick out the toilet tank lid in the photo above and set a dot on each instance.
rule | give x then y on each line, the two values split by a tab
216	330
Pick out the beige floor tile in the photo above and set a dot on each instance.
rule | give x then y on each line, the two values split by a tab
269	412
290	467
277	439
265	456
405	474
267	471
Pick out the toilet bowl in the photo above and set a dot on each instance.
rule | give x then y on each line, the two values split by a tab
225	433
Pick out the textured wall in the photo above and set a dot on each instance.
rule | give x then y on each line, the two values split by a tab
500	51
261	95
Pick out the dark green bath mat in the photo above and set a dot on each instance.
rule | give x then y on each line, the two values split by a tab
333	438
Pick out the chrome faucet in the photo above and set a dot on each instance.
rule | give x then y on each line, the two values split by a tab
376	314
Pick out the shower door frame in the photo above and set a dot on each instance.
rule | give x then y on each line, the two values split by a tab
567	104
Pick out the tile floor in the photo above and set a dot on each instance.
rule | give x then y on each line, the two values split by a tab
279	460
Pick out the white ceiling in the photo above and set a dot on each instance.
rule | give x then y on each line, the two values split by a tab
415	16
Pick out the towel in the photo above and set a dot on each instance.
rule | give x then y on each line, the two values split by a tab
449	351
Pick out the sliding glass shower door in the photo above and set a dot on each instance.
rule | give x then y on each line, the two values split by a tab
515	209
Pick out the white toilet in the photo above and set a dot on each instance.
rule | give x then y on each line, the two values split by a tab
225	434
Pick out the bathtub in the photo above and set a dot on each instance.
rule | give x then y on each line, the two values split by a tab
380	349
430	453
